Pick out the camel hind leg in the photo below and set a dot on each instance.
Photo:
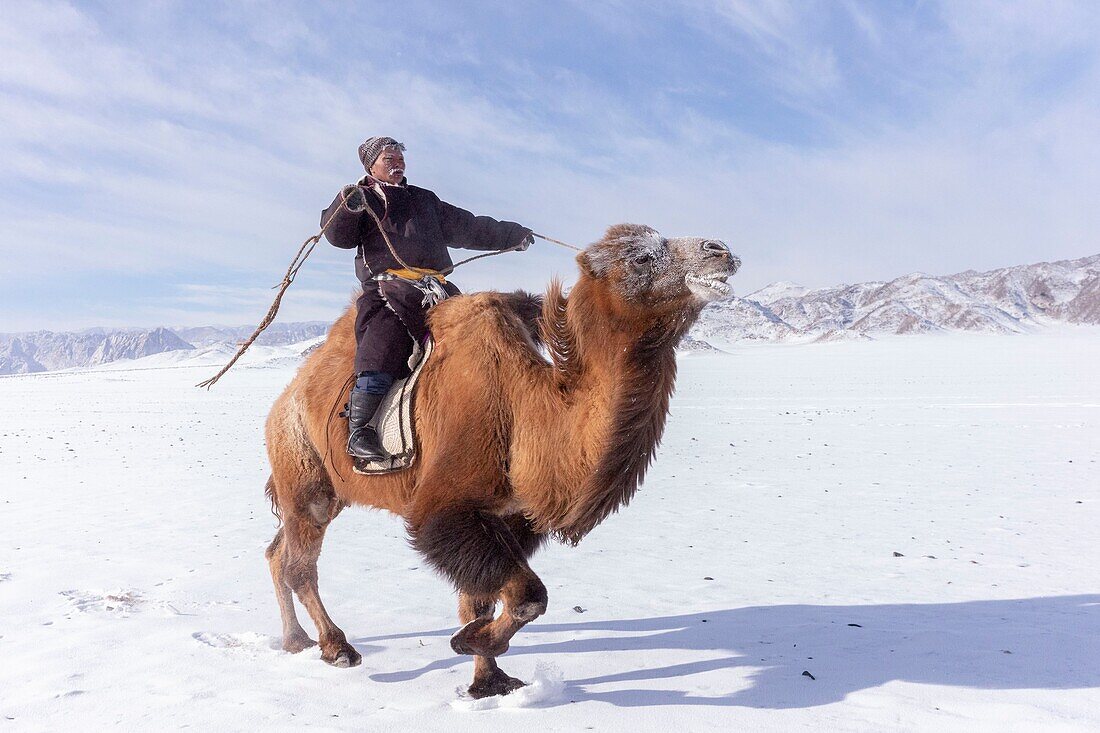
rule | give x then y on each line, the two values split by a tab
301	492
305	532
295	638
293	560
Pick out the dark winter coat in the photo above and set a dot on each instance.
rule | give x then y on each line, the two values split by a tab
420	227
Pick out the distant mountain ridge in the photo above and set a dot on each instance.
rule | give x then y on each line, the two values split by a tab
44	350
1007	300
277	334
1010	299
39	351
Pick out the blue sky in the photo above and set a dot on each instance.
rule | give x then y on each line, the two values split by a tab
161	162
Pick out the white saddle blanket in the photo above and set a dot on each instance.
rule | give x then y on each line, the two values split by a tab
394	420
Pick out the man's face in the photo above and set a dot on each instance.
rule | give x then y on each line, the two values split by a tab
389	167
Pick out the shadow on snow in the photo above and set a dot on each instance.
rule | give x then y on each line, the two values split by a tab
1044	643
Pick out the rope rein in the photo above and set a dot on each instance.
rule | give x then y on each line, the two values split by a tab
295	265
307	248
558	242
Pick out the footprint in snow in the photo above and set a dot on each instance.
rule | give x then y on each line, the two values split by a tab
248	640
117	603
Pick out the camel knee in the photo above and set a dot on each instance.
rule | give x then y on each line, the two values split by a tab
473	549
525	597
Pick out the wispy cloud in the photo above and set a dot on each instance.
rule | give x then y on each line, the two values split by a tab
786	47
150	147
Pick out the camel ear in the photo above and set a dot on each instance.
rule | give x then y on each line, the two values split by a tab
585	265
591	266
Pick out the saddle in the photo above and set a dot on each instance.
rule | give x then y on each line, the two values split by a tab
393	420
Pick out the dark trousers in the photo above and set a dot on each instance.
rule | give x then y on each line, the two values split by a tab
391	314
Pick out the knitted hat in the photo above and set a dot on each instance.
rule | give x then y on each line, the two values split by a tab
372	147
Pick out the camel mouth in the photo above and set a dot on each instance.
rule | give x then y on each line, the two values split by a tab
709	287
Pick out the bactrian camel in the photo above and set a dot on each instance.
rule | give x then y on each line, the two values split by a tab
535	418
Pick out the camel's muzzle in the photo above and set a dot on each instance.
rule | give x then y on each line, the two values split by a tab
722	264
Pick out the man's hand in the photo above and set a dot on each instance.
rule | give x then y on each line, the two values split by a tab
355	198
527	242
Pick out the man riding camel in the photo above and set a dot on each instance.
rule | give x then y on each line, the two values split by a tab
398	290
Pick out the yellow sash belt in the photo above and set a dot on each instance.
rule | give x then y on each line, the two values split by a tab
415	273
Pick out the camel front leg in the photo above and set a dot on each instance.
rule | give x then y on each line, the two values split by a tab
524	598
523	593
485	556
489	679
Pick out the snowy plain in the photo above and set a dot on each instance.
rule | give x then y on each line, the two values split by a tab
915	522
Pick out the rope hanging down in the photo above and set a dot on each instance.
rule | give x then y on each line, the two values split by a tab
300	259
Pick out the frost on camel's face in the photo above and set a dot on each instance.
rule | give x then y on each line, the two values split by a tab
647	269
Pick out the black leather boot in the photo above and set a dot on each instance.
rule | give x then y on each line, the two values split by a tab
363	441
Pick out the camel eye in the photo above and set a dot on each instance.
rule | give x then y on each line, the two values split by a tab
643	259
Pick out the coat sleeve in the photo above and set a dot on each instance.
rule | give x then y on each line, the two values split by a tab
463	229
347	228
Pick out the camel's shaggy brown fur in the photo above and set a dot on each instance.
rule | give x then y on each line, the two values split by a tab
513	446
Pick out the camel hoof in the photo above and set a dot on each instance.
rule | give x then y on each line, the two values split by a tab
344	656
472	639
494	683
295	644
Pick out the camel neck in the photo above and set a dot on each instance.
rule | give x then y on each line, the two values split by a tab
601	337
625	377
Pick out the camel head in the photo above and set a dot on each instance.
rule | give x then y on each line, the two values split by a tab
642	269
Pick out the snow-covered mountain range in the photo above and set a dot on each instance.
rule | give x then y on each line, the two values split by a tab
277	334
1011	299
39	351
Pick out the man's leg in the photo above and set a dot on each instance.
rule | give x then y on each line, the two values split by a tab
383	348
367	394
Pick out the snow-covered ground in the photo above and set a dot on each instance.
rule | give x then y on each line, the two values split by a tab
914	522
